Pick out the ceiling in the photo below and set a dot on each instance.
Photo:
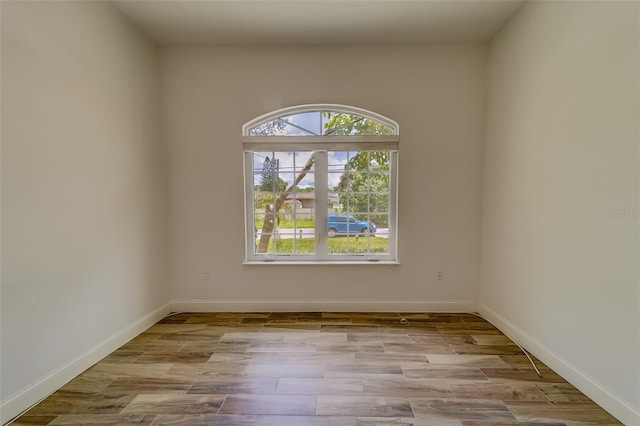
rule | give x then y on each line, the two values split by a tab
318	22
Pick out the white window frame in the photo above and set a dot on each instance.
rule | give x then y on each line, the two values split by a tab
320	145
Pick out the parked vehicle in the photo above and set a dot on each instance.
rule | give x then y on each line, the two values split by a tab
342	224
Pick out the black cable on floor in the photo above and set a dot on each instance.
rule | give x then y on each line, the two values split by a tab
516	343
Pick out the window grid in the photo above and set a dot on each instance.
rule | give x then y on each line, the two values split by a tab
368	193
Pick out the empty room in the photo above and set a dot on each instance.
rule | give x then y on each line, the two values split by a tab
167	258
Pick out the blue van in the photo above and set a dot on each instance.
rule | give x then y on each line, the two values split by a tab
342	224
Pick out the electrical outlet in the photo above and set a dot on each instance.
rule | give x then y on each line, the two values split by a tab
440	276
206	276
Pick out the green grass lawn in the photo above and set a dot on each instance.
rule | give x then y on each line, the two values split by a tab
336	245
288	223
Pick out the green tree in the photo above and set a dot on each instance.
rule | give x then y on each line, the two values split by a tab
270	180
307	189
364	186
338	124
269	128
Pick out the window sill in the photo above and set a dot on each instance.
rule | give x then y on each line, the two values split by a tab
320	262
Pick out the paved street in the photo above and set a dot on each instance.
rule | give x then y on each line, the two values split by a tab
310	232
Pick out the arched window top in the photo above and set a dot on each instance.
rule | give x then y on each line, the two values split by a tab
321	120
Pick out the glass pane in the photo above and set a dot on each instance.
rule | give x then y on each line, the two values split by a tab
265	172
322	123
303	161
378	182
263	199
381	224
378	160
359	202
379	203
303	124
341	124
301	229
285	220
270	128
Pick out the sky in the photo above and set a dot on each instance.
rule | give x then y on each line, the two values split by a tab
293	161
302	124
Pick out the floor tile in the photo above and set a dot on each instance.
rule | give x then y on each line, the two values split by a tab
294	327
104	419
321	340
416	329
269	404
521	374
194	371
306	421
481	361
174	404
174	328
414	388
378	338
284	370
399	421
450	374
323	386
321	358
368	406
173	357
586	413
514	423
251	337
123	356
204	420
467	331
148	385
80	404
350	329
492	340
487	349
234	385
130	370
432	339
90	383
562	392
403	360
355	347
514	391
282	347
457	409
362	371
29	420
418	348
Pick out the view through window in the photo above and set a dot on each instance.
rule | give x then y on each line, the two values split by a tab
320	185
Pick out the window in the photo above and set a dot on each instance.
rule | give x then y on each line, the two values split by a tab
320	185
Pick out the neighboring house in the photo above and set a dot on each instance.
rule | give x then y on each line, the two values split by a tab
302	200
307	200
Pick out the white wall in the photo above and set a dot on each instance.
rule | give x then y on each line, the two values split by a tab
561	152
83	188
437	96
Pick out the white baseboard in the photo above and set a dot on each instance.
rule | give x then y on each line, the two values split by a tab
622	410
42	388
321	306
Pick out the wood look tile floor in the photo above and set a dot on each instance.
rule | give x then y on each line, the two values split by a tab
343	369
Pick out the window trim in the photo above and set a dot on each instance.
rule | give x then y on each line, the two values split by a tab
320	145
301	109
